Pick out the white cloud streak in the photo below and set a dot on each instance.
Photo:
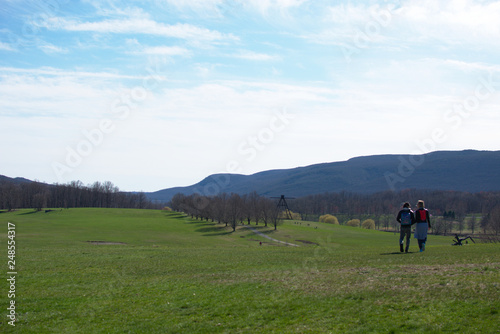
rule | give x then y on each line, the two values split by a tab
250	55
6	47
412	22
139	26
163	51
49	71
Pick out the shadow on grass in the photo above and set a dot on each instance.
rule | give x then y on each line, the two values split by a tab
29	213
213	230
196	223
397	253
202	222
176	215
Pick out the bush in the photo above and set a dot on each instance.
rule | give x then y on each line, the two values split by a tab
323	217
329	219
293	215
354	222
332	220
368	224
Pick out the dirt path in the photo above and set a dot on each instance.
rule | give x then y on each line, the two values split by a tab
268	237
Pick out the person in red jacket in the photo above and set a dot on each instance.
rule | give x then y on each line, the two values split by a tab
406	218
423	223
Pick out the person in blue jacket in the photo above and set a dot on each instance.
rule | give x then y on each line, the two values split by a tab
423	223
406	218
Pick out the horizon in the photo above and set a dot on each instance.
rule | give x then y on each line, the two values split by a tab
164	94
263	171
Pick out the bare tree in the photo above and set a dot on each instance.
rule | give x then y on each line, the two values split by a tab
461	224
438	225
219	203
177	202
39	201
268	210
493	220
472	223
235	210
109	191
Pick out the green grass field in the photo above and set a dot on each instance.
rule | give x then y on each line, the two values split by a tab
158	272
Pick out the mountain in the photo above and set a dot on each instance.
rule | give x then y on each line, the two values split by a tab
469	170
16	180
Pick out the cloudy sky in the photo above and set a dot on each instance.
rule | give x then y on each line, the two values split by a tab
157	94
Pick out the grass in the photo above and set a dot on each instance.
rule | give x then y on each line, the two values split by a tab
159	272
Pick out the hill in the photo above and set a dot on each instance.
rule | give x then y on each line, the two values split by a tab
16	180
468	170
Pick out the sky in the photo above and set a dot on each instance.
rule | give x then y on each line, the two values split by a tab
163	93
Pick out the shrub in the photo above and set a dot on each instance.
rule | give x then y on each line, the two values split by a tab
354	222
294	215
368	224
331	220
323	217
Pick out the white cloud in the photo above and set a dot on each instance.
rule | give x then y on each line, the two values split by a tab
353	27
464	66
264	6
482	15
50	71
412	23
55	93
6	47
164	51
140	26
200	7
220	8
50	48
349	14
250	55
112	8
452	21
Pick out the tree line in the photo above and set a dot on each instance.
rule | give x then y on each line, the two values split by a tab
476	210
383	206
229	209
74	194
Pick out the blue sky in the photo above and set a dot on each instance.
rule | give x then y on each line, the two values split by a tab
157	94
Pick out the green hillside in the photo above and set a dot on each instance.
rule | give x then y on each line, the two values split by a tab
145	271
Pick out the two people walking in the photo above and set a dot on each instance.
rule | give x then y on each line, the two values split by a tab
406	217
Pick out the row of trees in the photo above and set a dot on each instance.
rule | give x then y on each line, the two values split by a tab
460	209
455	209
74	194
230	209
390	202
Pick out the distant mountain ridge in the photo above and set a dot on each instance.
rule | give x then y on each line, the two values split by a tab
468	170
16	180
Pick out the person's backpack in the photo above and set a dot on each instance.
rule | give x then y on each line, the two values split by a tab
406	217
422	215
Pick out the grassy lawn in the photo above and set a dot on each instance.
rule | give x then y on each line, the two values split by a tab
144	271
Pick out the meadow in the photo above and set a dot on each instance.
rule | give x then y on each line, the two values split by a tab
150	271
